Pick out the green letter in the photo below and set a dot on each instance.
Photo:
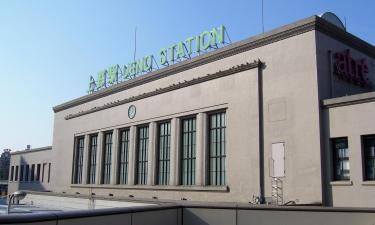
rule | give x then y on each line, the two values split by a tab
197	44
205	44
139	66
180	50
163	57
188	42
218	36
172	47
92	85
113	74
102	77
126	73
147	63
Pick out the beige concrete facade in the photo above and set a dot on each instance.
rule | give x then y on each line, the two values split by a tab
271	88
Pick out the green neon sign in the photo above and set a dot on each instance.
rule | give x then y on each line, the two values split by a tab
174	53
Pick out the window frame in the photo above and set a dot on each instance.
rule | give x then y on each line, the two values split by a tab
92	159
145	161
107	158
191	160
209	181
364	158
123	163
77	169
334	160
163	179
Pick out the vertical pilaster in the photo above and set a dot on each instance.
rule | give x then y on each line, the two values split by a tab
99	156
175	152
151	154
114	156
201	149
85	158
132	155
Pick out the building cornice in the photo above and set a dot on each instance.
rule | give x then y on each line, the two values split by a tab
294	29
349	100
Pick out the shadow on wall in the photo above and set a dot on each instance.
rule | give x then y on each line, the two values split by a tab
31	176
326	160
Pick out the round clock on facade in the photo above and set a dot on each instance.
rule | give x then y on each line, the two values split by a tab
131	111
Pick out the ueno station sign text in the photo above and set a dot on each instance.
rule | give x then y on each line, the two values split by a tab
167	56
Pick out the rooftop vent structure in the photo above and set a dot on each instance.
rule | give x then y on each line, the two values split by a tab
333	19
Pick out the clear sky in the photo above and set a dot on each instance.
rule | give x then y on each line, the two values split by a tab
49	49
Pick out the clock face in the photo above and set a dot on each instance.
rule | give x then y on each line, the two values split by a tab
131	111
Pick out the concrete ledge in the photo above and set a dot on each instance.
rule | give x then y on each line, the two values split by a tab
341	183
368	183
155	187
349	100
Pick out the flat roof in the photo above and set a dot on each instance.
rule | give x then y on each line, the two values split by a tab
46	148
284	32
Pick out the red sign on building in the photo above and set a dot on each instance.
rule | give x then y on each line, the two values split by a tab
351	70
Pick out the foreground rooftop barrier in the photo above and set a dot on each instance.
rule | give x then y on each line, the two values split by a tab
200	214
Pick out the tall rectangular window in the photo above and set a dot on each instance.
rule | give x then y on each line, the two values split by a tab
78	160
164	146
11	173
142	155
107	157
341	167
27	172
188	143
216	154
123	157
368	143
38	172
91	165
32	174
22	172
16	175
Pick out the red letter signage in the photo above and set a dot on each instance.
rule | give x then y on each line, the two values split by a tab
351	70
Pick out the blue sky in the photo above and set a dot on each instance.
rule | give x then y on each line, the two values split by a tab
49	49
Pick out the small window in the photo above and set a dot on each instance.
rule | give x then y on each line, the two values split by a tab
341	167
22	172
32	175
11	173
368	143
38	172
49	172
16	175
27	172
43	169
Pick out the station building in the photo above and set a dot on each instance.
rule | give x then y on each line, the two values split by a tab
284	117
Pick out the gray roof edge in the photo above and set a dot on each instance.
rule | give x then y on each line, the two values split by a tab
349	100
286	31
46	148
